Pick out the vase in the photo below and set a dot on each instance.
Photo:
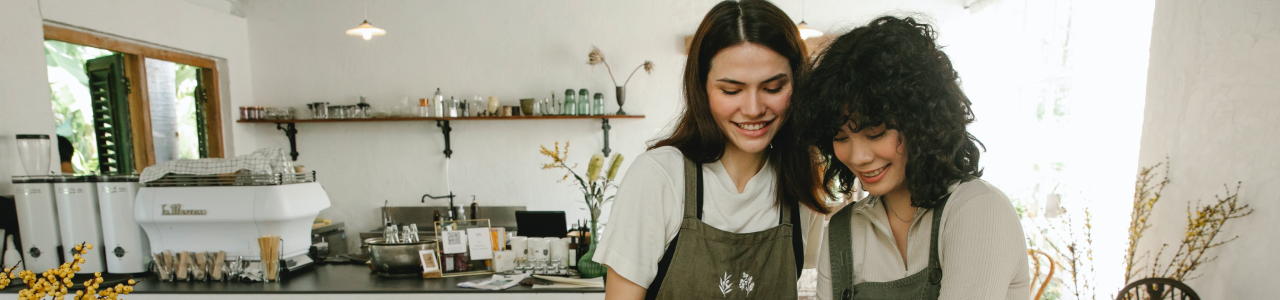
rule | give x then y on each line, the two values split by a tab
622	97
589	268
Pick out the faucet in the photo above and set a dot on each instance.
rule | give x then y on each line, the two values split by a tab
450	196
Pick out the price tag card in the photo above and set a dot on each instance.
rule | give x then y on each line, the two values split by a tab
478	240
454	241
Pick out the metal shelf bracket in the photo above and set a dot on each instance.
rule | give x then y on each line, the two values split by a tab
445	128
292	133
605	126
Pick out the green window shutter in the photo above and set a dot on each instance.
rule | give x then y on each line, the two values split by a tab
109	91
202	97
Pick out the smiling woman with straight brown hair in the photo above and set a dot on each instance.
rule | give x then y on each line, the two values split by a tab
723	206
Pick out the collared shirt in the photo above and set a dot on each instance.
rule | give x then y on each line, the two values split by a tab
980	245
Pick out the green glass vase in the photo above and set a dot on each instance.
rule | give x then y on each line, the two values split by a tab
589	268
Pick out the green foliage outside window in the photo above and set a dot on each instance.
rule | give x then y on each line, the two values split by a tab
72	113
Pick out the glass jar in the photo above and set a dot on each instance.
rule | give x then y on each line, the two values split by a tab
570	107
597	105
584	102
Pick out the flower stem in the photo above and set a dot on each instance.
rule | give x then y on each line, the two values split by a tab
633	74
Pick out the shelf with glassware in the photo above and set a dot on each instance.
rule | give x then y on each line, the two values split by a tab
291	131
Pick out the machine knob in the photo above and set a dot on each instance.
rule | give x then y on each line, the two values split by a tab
35	252
119	252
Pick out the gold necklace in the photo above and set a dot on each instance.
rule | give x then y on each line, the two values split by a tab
895	214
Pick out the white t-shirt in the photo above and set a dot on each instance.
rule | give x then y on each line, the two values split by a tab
649	208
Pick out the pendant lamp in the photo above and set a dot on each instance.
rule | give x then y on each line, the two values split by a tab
366	30
806	32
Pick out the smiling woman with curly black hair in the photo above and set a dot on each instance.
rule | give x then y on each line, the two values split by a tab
883	106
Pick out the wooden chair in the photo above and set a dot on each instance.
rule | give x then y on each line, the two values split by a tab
1157	288
1037	293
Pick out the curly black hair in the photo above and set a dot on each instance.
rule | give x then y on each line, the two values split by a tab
892	72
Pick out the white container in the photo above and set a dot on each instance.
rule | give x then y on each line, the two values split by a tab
504	260
126	245
520	245
38	222
79	219
560	251
539	248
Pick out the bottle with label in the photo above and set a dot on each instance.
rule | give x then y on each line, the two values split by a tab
573	251
475	208
436	217
570	106
437	102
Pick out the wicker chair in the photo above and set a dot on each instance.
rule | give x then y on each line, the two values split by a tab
1157	288
1035	279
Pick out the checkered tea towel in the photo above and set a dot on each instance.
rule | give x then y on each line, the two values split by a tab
263	161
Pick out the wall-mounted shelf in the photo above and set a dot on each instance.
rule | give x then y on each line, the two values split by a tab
291	131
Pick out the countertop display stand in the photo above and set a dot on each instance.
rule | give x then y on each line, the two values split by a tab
291	131
474	266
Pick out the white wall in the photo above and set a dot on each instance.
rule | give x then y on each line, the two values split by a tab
1211	102
508	49
24	91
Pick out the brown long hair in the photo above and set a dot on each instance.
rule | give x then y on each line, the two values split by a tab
696	134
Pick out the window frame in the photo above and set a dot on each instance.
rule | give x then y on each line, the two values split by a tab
139	103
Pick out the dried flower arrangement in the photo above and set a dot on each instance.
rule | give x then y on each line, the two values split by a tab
594	185
1074	250
55	283
596	57
1204	224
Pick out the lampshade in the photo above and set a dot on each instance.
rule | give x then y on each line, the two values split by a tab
366	30
806	32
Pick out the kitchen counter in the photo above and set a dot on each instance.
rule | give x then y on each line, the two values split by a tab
344	281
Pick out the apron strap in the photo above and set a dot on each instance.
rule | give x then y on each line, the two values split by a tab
840	248
692	209
935	265
692	189
797	240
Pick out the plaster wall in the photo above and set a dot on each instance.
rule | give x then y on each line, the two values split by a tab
1211	101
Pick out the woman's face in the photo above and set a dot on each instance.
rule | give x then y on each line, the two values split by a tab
749	87
876	155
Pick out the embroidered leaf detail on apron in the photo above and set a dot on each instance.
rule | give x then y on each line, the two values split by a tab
746	283
725	285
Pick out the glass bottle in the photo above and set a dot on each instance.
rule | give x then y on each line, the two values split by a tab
570	106
437	102
597	105
584	102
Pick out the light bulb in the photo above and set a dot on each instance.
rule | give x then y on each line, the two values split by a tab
367	35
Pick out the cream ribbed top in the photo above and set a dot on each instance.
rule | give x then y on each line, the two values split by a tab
980	245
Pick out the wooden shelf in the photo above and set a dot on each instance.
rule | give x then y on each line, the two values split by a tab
291	131
395	119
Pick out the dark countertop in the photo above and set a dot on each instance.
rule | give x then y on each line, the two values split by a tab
327	279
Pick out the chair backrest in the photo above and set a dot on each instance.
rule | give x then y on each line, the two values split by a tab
1036	293
1157	288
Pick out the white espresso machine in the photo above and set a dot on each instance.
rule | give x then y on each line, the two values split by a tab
210	213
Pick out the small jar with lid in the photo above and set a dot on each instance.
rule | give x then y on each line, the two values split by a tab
597	104
584	102
570	107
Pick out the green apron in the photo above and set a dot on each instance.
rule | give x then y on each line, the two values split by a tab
923	285
708	263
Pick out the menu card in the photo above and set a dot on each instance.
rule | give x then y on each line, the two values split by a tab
480	243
